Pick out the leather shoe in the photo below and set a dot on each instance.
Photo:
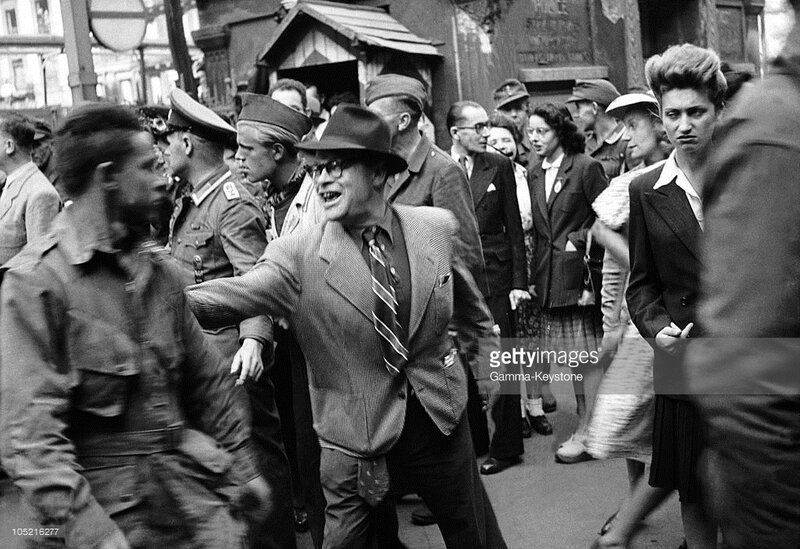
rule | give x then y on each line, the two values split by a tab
540	424
527	430
494	465
422	516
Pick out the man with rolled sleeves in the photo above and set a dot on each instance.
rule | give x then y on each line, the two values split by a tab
511	98
268	134
603	133
217	230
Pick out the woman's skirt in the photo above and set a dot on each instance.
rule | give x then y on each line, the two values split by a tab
677	444
622	418
571	329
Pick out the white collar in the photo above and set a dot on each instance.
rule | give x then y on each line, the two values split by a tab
21	172
554	164
672	172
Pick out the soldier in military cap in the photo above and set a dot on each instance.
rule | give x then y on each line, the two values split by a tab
511	98
432	177
268	132
217	230
603	133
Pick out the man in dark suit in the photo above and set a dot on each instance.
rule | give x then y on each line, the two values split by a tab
370	294
491	178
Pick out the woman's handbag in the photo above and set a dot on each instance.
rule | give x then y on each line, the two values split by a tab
592	274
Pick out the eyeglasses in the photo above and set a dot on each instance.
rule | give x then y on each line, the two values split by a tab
539	131
333	167
480	127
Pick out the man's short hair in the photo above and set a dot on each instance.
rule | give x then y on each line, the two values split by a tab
91	134
20	129
289	84
687	67
456	112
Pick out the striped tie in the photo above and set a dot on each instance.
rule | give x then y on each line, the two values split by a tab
384	312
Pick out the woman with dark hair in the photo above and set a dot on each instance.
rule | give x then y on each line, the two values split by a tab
503	138
666	224
563	186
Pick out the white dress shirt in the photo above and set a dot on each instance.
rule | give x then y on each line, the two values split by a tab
672	172
457	156
550	174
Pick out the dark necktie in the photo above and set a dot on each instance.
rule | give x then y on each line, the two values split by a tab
384	311
463	163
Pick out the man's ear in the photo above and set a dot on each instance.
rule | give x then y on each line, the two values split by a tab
10	147
404	122
454	134
104	173
278	152
188	145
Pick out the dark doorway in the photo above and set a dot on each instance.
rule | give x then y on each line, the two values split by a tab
667	22
331	79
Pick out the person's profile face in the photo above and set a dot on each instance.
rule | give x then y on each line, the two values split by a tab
255	161
141	189
544	140
473	130
641	134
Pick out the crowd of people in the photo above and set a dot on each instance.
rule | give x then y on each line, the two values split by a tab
217	331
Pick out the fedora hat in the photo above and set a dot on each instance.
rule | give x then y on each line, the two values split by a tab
354	128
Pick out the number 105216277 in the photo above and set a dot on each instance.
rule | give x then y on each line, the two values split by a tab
49	531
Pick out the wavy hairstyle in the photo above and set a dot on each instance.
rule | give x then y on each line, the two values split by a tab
557	116
687	67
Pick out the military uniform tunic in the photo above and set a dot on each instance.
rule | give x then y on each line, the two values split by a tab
114	405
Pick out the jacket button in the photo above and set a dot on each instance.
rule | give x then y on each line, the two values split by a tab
684	302
179	241
401	395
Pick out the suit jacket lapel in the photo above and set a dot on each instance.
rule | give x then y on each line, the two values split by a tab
347	272
396	183
422	265
482	177
536	184
9	194
563	176
671	204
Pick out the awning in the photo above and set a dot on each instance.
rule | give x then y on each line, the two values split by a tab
368	25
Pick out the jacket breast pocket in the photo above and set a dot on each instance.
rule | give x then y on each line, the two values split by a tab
198	240
106	362
443	302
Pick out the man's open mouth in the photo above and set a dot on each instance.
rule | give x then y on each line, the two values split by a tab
330	196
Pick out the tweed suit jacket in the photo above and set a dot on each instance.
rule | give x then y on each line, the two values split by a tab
494	195
28	205
321	284
558	273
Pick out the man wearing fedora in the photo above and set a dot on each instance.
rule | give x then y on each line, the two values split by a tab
511	98
370	294
217	230
603	133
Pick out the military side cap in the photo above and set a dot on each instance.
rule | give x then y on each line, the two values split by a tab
189	115
509	91
600	91
264	109
637	100
42	131
395	85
